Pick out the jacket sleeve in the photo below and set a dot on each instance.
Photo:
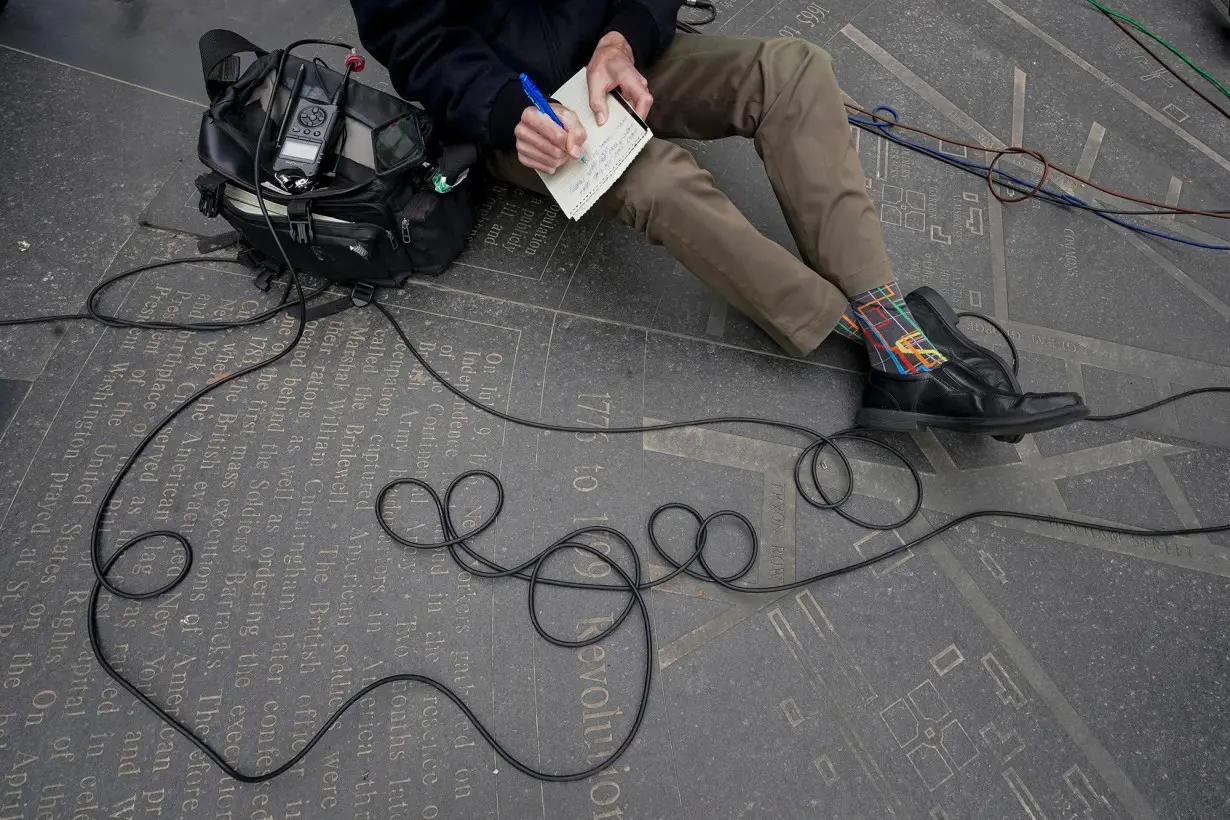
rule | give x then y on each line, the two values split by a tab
647	25
445	65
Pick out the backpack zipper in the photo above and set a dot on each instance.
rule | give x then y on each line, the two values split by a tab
415	214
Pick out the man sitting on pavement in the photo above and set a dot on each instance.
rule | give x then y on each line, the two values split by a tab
462	61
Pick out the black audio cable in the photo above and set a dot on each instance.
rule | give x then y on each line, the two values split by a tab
533	571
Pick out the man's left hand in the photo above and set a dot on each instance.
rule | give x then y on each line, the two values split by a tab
612	68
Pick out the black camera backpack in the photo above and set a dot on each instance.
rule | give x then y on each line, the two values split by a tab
393	203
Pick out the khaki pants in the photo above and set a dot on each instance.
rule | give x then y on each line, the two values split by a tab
782	94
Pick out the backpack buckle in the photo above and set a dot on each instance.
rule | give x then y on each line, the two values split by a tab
299	216
266	274
211	186
362	294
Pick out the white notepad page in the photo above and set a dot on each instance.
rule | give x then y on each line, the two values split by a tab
608	149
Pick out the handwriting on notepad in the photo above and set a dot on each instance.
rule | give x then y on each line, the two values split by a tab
605	155
608	150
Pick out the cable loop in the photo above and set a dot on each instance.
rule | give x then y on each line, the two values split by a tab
631	583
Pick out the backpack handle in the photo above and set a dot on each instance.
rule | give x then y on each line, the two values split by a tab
220	50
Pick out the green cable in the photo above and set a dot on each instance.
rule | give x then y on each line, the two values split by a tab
1139	27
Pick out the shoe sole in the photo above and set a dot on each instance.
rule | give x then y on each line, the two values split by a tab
951	321
901	421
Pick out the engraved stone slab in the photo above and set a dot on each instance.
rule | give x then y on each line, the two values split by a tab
274	479
1008	669
1108	639
73	199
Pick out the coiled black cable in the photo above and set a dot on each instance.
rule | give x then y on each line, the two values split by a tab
631	583
467	557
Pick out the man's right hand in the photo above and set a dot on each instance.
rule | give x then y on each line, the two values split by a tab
543	145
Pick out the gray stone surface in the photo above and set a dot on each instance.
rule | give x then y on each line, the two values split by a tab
152	44
1006	669
77	175
176	207
12	393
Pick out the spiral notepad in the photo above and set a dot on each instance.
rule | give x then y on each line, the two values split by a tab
609	149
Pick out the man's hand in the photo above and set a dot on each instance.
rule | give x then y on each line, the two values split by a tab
610	68
543	145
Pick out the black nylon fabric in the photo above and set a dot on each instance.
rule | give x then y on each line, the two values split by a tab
358	226
461	58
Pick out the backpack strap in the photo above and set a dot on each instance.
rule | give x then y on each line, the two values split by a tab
220	50
361	294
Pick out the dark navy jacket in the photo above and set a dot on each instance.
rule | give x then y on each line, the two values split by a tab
461	59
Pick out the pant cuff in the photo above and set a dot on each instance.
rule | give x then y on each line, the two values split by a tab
864	279
804	340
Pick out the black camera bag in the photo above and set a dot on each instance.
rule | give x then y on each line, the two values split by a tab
367	224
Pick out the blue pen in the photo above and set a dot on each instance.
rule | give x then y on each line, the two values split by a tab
540	102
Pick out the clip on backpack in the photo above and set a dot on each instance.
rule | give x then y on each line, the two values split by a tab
389	201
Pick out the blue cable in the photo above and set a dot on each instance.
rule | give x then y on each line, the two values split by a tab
883	128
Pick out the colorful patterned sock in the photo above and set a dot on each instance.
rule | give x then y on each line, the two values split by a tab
894	341
847	326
